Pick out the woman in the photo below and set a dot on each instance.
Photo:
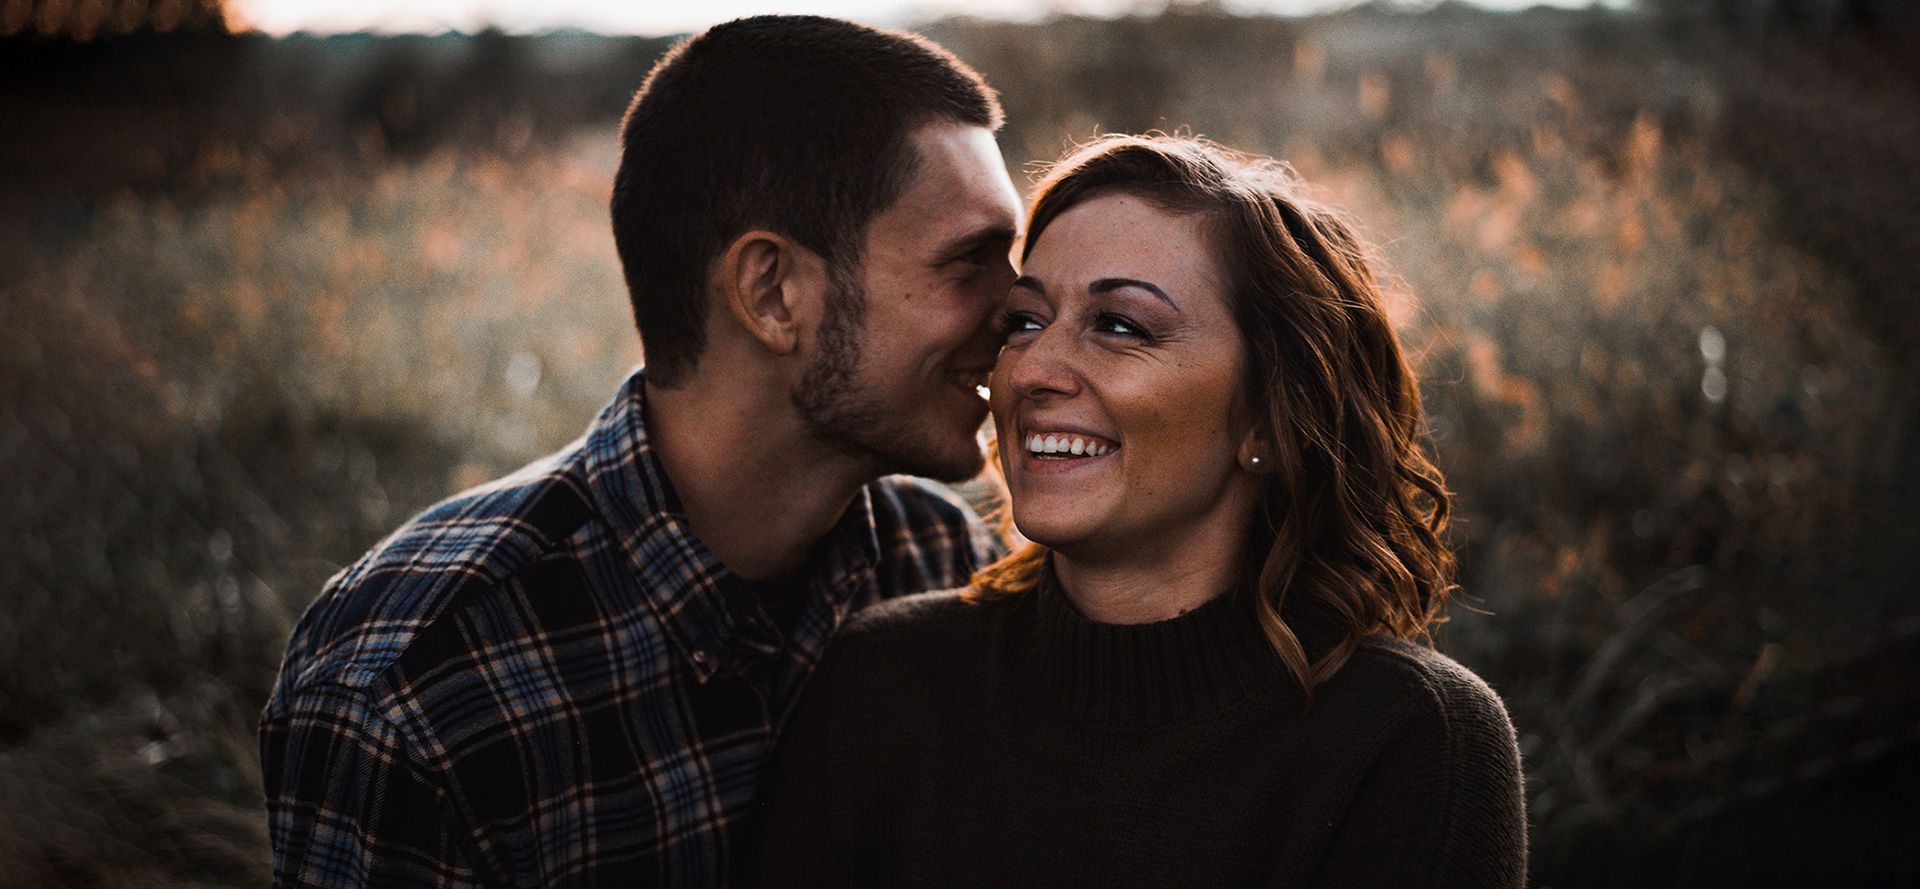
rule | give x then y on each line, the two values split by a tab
1207	669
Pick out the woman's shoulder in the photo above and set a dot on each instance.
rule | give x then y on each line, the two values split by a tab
894	658
1422	684
919	626
912	617
1435	770
905	614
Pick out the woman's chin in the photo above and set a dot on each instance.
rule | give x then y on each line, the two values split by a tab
1052	530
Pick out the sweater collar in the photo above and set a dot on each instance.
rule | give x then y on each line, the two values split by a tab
1191	666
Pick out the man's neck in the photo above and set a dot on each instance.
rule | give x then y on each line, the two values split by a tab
756	490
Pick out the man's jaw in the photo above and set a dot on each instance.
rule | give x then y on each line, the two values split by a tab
970	380
909	439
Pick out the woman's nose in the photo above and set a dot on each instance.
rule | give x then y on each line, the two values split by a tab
1042	368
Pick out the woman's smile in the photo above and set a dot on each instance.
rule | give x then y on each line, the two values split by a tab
1050	450
1066	445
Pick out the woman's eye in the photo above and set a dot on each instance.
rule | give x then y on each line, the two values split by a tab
1014	322
1120	325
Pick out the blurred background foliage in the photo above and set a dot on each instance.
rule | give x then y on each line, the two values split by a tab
267	298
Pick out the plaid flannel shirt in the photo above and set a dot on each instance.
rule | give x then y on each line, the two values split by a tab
548	681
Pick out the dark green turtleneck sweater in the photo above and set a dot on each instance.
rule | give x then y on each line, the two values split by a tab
1019	744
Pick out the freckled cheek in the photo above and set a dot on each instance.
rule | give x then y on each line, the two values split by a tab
1175	426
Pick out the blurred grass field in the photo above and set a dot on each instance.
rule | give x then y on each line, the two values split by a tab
265	299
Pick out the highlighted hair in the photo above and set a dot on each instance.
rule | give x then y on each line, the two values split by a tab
1352	513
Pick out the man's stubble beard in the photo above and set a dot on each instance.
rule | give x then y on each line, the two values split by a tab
839	414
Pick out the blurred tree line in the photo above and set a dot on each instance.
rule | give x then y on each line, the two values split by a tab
87	20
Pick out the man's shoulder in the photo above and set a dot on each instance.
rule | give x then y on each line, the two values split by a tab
910	500
930	538
455	553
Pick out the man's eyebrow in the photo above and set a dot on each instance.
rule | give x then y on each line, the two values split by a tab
1108	285
1030	282
973	240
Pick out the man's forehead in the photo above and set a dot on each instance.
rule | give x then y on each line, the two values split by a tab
959	183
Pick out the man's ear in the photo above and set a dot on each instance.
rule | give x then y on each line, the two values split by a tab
766	281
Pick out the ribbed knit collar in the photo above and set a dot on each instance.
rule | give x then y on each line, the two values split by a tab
1188	667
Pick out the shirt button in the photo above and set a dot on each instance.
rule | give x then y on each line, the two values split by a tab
700	657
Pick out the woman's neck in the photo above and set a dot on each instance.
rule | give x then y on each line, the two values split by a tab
1152	586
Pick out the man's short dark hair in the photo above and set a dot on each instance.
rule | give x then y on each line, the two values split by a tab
795	124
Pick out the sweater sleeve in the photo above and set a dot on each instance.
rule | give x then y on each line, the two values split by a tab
1442	805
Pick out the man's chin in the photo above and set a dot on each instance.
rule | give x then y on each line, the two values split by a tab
958	465
941	446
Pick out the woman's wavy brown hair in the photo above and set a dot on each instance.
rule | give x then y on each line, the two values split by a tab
1352	512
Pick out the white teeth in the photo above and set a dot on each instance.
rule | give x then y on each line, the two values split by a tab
1066	444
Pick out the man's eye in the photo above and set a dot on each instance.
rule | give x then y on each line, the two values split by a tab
982	257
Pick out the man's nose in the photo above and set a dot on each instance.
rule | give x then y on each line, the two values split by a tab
994	284
992	299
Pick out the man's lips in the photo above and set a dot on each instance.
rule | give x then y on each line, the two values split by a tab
970	380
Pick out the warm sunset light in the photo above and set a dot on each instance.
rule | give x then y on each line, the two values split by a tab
1439	442
278	17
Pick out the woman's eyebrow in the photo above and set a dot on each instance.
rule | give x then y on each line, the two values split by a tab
1030	282
1108	285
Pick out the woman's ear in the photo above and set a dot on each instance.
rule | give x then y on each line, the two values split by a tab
1255	454
768	283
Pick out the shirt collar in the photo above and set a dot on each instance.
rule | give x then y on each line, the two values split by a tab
709	614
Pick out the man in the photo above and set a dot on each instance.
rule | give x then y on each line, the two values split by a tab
573	675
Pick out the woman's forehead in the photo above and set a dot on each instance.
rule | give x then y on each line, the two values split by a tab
1124	236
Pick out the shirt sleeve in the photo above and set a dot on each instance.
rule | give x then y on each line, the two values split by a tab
1443	805
987	545
349	803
